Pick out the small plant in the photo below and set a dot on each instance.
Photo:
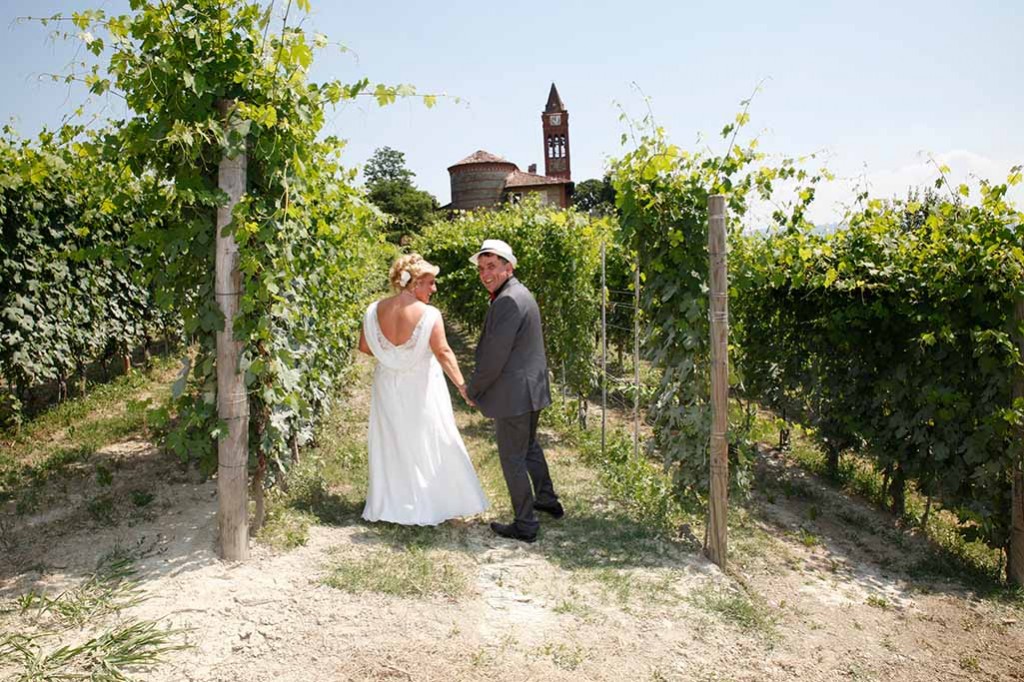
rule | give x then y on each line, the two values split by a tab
141	498
878	601
286	528
787	488
807	538
103	658
970	664
109	590
573	605
104	477
39	649
734	607
481	658
564	657
101	508
415	572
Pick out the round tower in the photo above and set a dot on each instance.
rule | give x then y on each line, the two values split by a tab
478	180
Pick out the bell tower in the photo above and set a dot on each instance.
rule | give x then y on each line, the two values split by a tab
555	120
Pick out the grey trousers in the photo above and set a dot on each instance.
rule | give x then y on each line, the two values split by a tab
522	462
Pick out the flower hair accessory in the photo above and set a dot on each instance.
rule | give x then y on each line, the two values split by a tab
404	279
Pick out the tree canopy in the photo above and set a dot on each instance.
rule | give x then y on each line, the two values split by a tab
595	195
393	192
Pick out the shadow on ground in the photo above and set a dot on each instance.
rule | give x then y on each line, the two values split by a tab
853	540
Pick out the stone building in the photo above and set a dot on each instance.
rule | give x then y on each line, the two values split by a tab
483	179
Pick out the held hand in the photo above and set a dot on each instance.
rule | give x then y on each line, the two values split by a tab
465	395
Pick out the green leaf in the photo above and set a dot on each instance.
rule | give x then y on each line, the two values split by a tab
302	54
1014	178
38	172
384	95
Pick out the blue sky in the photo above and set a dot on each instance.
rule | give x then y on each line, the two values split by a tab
876	86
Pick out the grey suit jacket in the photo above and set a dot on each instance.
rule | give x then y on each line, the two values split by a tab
511	373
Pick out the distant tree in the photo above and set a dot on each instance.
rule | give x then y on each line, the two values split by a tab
392	191
411	209
386	165
595	195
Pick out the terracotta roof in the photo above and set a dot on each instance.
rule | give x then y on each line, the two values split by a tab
554	101
480	156
518	178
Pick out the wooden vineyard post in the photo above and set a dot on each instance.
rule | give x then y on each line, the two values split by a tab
604	351
232	401
1015	557
719	447
636	360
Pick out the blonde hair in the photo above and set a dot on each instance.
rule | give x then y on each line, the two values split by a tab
414	264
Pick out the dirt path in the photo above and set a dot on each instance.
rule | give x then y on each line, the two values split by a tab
824	595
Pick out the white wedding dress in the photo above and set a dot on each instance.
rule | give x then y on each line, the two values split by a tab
420	472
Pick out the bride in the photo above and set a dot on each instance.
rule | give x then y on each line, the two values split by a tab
419	472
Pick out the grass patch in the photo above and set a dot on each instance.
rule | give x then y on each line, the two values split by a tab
285	528
606	539
970	561
736	608
141	498
66	436
106	658
328	486
415	572
102	509
45	642
564	656
574	605
749	541
642	487
311	490
807	538
626	587
444	535
107	591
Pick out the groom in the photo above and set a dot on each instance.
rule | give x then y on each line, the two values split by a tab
510	385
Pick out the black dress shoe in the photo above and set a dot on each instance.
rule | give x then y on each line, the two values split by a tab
509	530
555	509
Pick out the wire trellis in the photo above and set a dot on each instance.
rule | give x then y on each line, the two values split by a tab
613	300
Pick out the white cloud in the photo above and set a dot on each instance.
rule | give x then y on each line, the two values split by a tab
832	198
965	167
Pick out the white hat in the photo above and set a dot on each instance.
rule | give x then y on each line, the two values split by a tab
496	247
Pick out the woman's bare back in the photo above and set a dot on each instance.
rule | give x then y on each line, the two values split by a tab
398	318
